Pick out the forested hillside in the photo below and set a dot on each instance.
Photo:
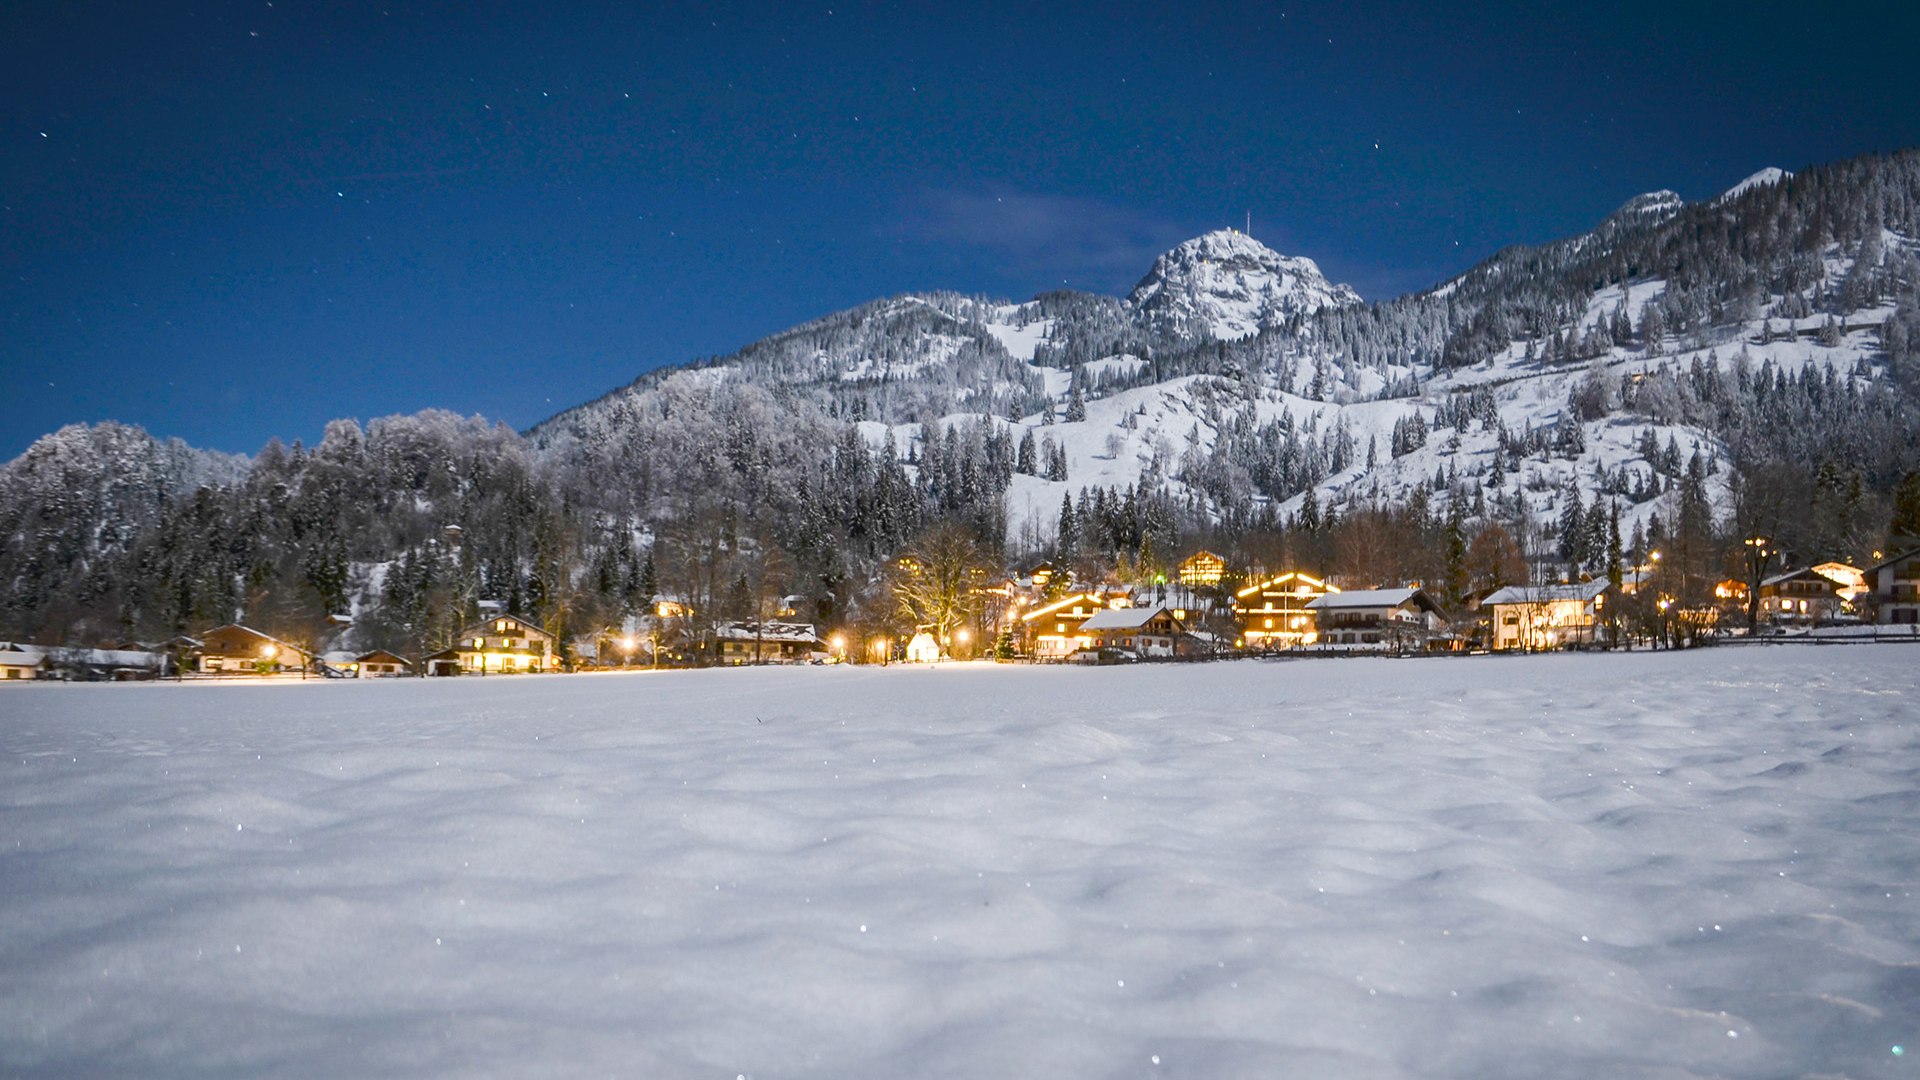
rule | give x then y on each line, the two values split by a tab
1683	375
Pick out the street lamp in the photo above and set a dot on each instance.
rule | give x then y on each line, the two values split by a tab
627	644
1759	553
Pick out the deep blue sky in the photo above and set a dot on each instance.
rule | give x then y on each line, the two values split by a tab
231	221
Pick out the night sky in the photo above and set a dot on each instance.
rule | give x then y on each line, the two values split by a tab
233	221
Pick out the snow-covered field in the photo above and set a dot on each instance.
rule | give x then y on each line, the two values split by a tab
1657	865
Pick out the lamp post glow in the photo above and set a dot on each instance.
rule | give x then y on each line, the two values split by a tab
1759	553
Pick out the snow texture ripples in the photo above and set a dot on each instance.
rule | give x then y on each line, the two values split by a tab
1657	865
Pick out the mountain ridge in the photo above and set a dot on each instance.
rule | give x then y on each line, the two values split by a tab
1652	366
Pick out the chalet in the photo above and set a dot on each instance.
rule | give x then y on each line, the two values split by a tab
503	644
1053	630
19	663
1536	617
1895	589
1273	614
1376	618
1202	569
1799	598
380	664
1148	631
766	642
923	649
236	648
1852	581
1731	595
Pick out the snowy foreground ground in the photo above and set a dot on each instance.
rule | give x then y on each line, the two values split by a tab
1660	865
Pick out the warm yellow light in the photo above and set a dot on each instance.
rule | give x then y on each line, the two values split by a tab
839	643
1180	613
267	651
963	635
628	643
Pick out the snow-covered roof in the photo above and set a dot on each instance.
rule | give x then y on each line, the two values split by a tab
242	627
382	656
1796	575
21	658
1546	594
1369	598
777	632
1127	618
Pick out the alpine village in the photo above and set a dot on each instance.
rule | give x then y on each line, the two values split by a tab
1697	424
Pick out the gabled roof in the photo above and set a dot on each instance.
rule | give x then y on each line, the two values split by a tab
19	657
1289	575
264	637
1124	618
1805	573
381	656
1064	601
768	632
1547	594
1371	598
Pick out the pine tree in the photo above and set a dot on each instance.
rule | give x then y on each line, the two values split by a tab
1308	519
1067	534
1573	527
1455	559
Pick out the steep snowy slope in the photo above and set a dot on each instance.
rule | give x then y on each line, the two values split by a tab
1231	286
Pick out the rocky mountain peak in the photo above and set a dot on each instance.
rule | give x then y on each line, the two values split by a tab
1232	286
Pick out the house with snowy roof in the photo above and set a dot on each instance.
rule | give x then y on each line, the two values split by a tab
1397	619
1147	631
1053	630
1202	569
1273	613
1800	598
234	648
1894	589
21	663
503	644
766	641
1531	618
381	664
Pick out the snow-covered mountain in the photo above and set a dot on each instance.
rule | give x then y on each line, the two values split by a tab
1235	396
1766	177
1231	286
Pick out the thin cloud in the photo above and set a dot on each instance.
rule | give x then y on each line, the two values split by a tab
1086	241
